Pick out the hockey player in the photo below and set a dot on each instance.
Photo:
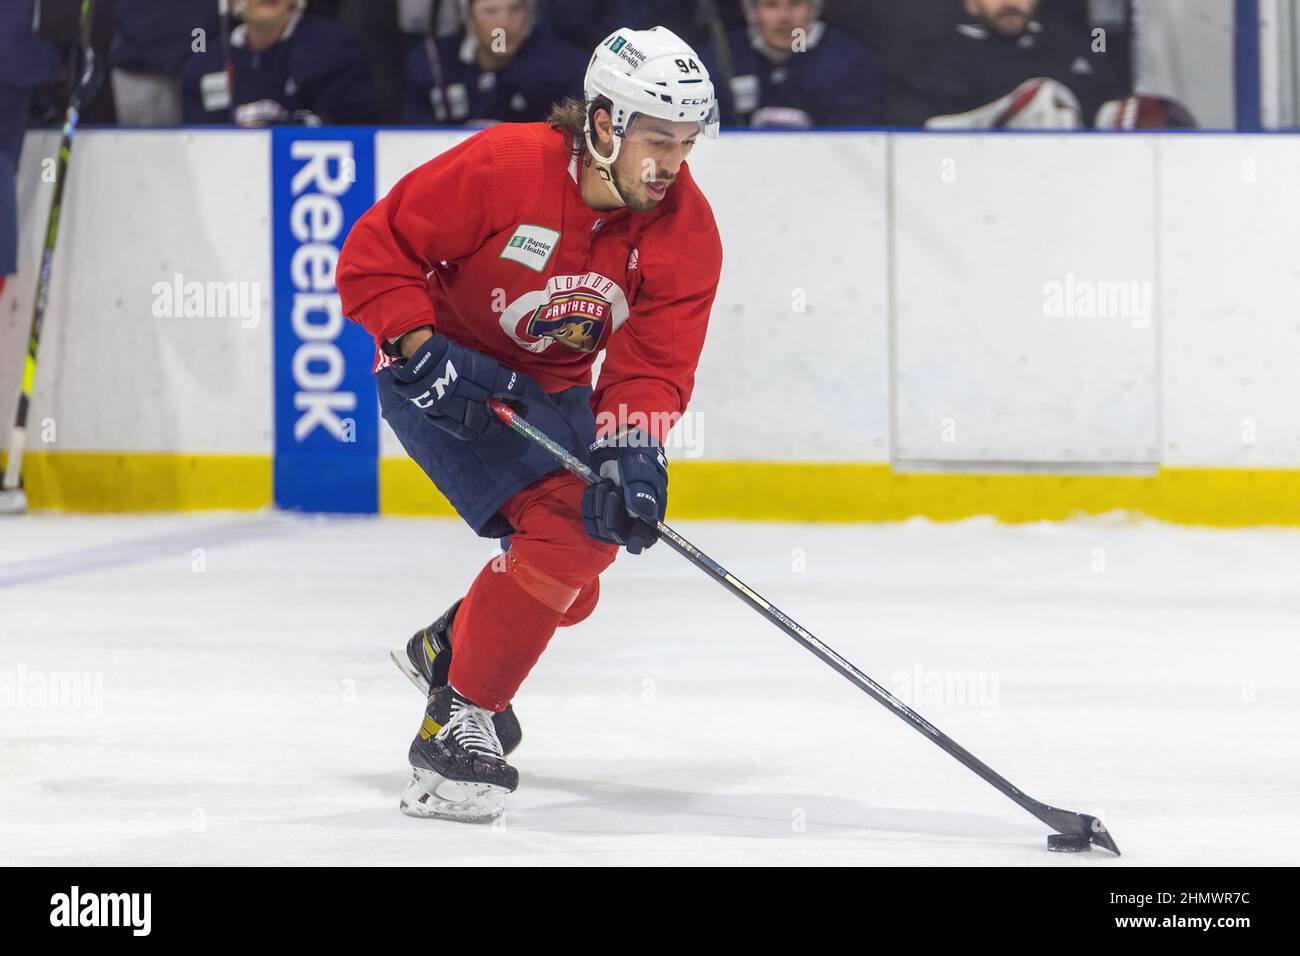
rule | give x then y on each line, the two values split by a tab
970	67
503	67
503	267
792	69
288	67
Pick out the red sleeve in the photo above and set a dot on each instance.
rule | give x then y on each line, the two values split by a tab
437	213
649	369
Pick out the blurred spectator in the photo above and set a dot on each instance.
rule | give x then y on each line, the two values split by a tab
151	42
789	68
422	17
889	28
588	22
26	61
966	74
288	67
503	67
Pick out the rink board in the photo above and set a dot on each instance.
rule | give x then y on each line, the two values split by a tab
1014	364
901	358
755	491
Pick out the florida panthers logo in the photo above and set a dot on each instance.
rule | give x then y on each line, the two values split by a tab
577	321
576	311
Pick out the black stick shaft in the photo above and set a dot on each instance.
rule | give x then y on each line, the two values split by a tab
18	438
227	55
435	62
1064	821
722	55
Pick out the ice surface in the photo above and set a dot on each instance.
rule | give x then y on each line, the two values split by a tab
249	713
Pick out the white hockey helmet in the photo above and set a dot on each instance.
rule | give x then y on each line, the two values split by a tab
653	72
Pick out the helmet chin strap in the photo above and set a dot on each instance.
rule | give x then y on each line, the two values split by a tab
605	167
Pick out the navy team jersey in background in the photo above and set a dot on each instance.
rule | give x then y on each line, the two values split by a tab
26	61
835	81
317	68
546	69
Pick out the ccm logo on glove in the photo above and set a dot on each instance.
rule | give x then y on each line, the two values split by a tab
456	400
440	386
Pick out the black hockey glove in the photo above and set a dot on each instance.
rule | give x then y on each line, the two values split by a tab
451	384
632	494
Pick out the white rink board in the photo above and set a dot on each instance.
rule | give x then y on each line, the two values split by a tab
797	362
139	208
803	302
1231	260
985	372
803	216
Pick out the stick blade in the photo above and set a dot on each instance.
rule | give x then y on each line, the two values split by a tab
1099	835
1069	821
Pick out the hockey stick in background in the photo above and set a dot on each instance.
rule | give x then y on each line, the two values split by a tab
227	57
722	51
435	61
1079	829
12	497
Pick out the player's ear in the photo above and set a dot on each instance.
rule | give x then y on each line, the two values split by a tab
604	127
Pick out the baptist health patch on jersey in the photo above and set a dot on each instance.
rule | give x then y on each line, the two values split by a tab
531	246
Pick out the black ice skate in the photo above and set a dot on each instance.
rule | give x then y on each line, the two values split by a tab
426	661
458	770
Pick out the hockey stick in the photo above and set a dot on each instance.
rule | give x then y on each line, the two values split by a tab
435	62
1079	825
12	497
722	50
227	54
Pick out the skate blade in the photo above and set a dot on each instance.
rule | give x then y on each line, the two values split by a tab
432	796
13	502
398	654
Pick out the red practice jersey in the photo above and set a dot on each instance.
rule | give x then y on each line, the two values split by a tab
491	244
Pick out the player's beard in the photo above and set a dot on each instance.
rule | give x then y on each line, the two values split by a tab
631	193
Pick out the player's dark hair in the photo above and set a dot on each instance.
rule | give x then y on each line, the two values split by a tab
570	116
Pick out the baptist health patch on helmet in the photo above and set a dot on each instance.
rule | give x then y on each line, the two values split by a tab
626	51
531	246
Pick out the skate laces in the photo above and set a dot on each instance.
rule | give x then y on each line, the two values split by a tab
472	727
